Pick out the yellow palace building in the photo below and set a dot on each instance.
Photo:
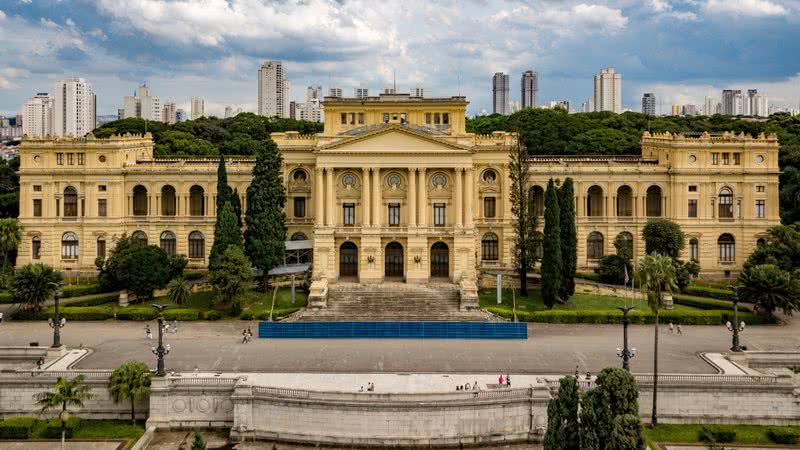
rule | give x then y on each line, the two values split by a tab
395	188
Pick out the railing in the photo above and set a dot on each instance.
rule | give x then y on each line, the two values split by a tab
68	374
203	381
687	380
281	392
592	159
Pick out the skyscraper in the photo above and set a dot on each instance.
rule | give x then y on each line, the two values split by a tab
419	90
362	91
74	108
530	89
228	111
310	110
37	116
198	107
180	115
676	110
169	113
501	98
759	105
732	102
709	106
335	92
314	92
142	104
273	90
608	90
649	104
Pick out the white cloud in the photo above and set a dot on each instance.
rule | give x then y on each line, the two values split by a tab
753	8
2	15
660	5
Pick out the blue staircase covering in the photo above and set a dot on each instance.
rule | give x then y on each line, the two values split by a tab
393	330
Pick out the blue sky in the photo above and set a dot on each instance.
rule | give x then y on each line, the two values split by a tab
680	49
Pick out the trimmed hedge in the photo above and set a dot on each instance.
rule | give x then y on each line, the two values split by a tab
247	314
24	314
53	428
137	313
708	317
79	290
211	315
7	297
17	427
702	291
190	276
589	276
83	313
701	303
181	314
95	300
720	436
783	436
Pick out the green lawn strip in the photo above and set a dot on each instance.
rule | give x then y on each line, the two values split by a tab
688	434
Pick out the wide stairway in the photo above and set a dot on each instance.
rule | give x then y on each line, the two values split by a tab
392	302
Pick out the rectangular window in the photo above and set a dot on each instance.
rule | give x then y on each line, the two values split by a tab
83	207
70	159
761	188
692	208
760	208
58	208
385	117
737	159
446	118
394	117
427	118
36	248
81	159
694	250
361	118
726	159
37	188
60	159
394	214
436	119
344	118
349	213
101	188
352	118
489	207
715	159
102	208
299	206
692	188
101	248
439	214
37	207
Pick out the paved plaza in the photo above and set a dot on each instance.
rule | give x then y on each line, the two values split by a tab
550	348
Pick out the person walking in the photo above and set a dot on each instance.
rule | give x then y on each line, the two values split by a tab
244	335
148	333
680	330
249	334
175	326
500	380
671	329
508	380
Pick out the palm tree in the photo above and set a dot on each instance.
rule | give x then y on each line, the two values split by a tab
67	393
35	283
178	291
769	288
130	381
656	277
10	235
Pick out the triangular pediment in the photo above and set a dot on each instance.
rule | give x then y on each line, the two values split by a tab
392	140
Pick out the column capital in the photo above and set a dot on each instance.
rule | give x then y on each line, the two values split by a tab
319	169
413	169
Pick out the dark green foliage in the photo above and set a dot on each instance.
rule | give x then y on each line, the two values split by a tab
35	283
563	432
53	427
664	237
612	269
177	263
716	436
226	234
9	188
79	290
140	313
569	239
782	248
612	407
551	259
685	272
236	202
604	141
224	191
770	288
702	303
524	218
191	276
231	274
623	246
710	292
131	382
182	314
19	427
783	436
711	316
198	443
265	220
627	433
137	267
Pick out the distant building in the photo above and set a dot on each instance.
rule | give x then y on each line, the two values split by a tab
311	109
529	89
120	113
608	90
649	104
390	89
709	106
273	90
198	107
37	114
142	104
676	110
419	90
759	105
689	110
560	104
228	112
293	110
180	115
314	92
169	113
501	94
335	92
732	102
362	91
74	108
588	105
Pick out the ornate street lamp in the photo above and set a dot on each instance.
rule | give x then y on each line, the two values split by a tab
625	353
161	350
59	321
736	327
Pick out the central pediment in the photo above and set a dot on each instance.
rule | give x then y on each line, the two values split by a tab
393	139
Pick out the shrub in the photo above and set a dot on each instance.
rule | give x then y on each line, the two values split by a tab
27	314
53	428
6	297
211	315
712	435
247	314
189	276
83	313
283	312
701	303
181	314
137	313
588	276
79	290
17	427
97	299
710	292
783	436
637	317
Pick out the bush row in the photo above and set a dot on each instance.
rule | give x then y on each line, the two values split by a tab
23	427
264	315
53	428
708	317
702	303
79	290
588	276
95	300
783	436
710	292
190	276
6	297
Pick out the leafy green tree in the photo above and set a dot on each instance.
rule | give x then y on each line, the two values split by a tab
604	141
178	291
664	237
198	443
170	143
137	267
65	393
226	233
613	268
265	220
615	395
524	217
9	187
10	237
656	278
563	430
684	272
236	202
224	191
231	274
35	284
551	259
782	248
177	263
130	381
569	239
627	433
770	288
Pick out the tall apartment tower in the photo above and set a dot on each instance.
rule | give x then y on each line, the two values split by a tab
732	102
709	106
169	113
501	94
142	104
37	116
362	91
335	92
419	90
273	90
759	106
74	108
530	89
314	93
649	104
608	90
198	107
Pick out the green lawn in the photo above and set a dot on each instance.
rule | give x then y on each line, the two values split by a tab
99	429
582	302
745	434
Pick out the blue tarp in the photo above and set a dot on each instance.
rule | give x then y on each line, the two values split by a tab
393	330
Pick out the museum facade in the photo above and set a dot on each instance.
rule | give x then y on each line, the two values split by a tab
394	188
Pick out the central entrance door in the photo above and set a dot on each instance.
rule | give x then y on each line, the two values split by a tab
348	260
440	260
393	260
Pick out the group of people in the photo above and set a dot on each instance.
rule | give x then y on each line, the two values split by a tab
247	335
370	387
468	387
168	328
673	329
507	380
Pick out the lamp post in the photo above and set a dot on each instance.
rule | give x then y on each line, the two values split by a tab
59	321
161	350
736	327
625	353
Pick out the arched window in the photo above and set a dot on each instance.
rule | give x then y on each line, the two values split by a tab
168	202
594	201
624	243
101	246
694	249
168	242
489	247
197	245
70	202
139	200
536	200
727	248
625	201
299	175
140	236
761	242
36	248
594	245
299	237
653	201
725	203
69	246
197	201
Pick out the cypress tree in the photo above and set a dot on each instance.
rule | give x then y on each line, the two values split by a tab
569	240
236	202
610	412
223	190
551	260
265	220
563	429
524	218
226	233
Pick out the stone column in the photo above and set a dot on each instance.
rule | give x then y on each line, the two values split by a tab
208	206
366	211
376	206
422	217
605	206
613	210
329	197
459	197
130	205
319	197
412	197
468	203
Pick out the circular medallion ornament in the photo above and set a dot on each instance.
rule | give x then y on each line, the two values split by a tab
37	159
393	180
101	158
299	175
760	158
692	158
439	180
349	180
489	176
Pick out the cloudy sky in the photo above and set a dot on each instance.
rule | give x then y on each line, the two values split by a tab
680	49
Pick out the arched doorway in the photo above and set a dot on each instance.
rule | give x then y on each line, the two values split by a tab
393	260
348	260
440	260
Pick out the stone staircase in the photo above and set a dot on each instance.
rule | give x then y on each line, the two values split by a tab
391	302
